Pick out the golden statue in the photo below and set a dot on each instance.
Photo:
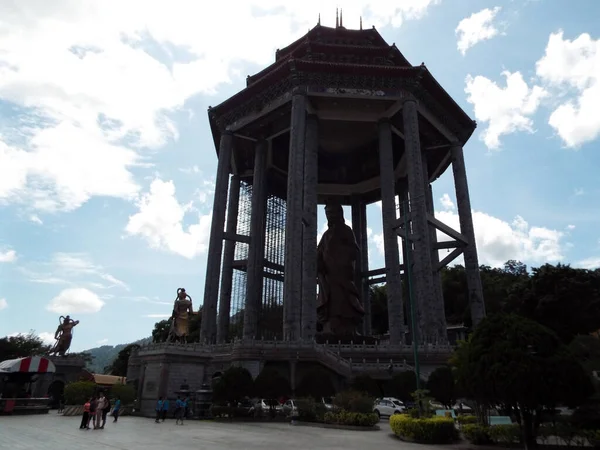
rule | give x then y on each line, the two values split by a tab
63	335
340	310
180	319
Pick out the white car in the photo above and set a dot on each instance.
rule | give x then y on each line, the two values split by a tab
386	408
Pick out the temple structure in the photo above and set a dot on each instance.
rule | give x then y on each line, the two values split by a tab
340	116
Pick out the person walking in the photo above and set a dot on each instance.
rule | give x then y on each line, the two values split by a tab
179	409
86	415
105	412
158	408
117	409
99	411
165	409
92	417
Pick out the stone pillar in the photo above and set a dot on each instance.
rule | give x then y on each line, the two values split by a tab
463	204
437	313
359	226
390	238
292	283
407	246
256	250
215	243
311	224
423	270
228	256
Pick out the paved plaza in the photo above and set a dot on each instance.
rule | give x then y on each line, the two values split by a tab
54	432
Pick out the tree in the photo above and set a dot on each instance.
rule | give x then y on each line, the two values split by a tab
119	366
402	385
517	363
366	385
271	385
160	333
562	298
316	383
22	345
235	384
586	349
441	386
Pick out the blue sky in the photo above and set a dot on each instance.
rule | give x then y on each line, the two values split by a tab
107	164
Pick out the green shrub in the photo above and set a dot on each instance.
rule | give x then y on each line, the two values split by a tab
126	392
505	434
436	430
310	411
476	434
466	419
354	401
79	392
355	419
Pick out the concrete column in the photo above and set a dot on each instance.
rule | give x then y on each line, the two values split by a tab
228	256
423	270
311	224
215	243
390	238
463	204
292	283
256	250
438	313
407	246
359	226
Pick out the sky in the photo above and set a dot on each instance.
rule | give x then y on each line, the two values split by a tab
107	163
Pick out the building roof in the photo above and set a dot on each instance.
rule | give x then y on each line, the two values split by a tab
108	380
31	364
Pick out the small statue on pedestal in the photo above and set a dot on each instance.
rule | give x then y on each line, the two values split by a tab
63	336
180	319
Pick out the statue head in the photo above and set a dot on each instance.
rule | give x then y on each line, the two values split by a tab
181	294
67	319
334	212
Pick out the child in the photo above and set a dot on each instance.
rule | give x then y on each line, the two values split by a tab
86	415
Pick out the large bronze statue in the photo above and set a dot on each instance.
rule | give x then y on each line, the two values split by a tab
340	310
63	336
180	319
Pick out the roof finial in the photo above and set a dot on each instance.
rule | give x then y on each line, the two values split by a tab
341	19
319	21
337	20
361	22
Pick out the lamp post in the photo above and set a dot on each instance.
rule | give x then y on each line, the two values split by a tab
408	268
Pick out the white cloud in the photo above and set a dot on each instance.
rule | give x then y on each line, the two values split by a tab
94	83
160	222
75	300
589	263
498	241
35	219
102	341
47	337
505	110
477	27
570	227
573	66
74	269
8	256
157	316
447	202
3	304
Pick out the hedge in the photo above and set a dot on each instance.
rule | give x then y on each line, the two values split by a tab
78	392
354	419
476	433
466	419
435	430
310	411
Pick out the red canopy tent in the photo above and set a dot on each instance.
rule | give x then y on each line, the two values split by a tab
31	364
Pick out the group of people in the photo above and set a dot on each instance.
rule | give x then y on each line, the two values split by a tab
95	411
181	409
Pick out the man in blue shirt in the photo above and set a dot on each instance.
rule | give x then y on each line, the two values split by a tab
179	410
159	407
117	409
165	409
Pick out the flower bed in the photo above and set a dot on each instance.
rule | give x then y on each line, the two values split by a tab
435	430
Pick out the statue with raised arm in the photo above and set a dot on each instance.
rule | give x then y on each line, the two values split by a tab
180	319
340	310
63	335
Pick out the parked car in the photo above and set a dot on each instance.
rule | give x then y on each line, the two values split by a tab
290	407
328	402
386	408
263	404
